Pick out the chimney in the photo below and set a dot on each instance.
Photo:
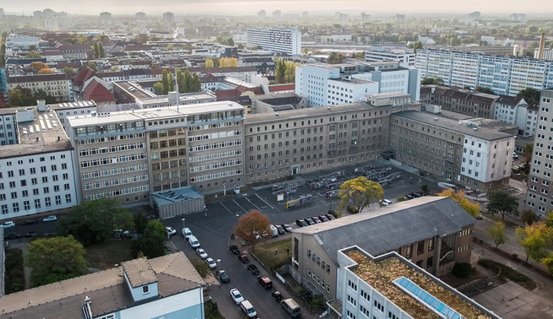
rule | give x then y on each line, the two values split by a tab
542	46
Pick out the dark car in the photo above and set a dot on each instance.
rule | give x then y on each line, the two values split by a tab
280	230
286	228
330	217
409	196
301	223
234	249
316	220
265	281
277	296
253	269
31	234
309	221
323	218
243	258
223	276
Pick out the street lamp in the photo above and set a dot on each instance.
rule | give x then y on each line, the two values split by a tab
183	221
224	189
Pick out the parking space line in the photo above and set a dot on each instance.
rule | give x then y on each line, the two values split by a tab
226	208
245	211
254	205
264	201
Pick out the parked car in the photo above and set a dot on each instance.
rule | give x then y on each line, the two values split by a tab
51	218
265	281
323	218
170	231
385	202
316	220
274	230
286	227
280	229
301	223
234	249
248	309
186	232
253	269
194	242
309	221
211	263
236	296
277	296
223	276
330	217
243	258
8	224
201	253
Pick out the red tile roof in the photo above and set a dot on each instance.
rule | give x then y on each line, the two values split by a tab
98	93
282	87
82	76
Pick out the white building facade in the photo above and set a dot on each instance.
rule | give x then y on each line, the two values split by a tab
276	40
517	112
487	160
8	127
399	54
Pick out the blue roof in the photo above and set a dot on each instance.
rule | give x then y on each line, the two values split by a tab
426	298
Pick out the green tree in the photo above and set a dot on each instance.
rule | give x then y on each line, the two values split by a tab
96	50
535	239
55	259
528	216
359	192
158	88
484	89
251	226
101	50
527	153
94	221
335	58
152	242
530	95
280	71
497	232
436	81
290	73
502	203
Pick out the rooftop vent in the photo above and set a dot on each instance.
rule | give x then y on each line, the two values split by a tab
435	119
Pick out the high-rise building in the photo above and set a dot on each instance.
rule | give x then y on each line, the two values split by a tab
168	17
334	84
277	14
105	18
503	75
261	13
276	40
540	181
400	54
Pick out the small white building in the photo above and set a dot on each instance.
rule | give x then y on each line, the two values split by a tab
516	111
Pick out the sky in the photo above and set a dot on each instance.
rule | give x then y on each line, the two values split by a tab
233	7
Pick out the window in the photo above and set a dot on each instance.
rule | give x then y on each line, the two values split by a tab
145	289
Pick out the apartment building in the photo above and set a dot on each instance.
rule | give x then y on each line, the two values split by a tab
282	144
36	173
504	75
459	100
459	151
276	40
433	232
399	54
334	84
390	286
57	85
8	126
166	286
515	110
540	182
129	154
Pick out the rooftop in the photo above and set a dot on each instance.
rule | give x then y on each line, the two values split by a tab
73	105
139	272
175	195
452	125
106	289
382	273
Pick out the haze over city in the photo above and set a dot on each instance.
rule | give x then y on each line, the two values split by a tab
232	7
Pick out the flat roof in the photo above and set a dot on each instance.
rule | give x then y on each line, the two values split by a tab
73	105
106	289
384	271
154	113
175	195
452	125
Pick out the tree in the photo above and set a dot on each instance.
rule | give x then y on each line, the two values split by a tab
530	95
94	221
209	63
484	89
101	50
251	226
529	217
158	88
335	58
359	192
228	62
469	206
38	65
96	50
534	239
502	203
152	242
45	71
527	153
428	81
290	73
497	232
280	71
69	71
55	259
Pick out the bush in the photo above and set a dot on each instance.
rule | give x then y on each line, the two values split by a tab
15	277
201	266
461	270
353	209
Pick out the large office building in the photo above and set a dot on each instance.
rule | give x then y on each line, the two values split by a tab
390	286
276	40
433	232
162	287
58	86
399	54
36	172
540	181
503	75
129	154
282	144
334	84
459	151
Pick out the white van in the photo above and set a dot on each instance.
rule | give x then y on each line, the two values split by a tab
186	232
248	309
291	307
193	241
274	230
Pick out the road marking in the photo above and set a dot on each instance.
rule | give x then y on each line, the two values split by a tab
226	208
264	201
252	203
245	211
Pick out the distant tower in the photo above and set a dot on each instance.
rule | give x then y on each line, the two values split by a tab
105	18
1	12
364	17
168	17
262	13
541	48
276	14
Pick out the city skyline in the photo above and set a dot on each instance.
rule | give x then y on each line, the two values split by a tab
232	7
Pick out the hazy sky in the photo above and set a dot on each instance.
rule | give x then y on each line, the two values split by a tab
286	6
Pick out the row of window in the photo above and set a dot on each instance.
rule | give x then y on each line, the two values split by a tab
216	175
111	138
318	261
216	165
214	156
111	149
114	171
37	204
113	160
205	147
118	192
214	135
311	275
115	182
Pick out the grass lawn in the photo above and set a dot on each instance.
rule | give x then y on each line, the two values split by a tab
275	253
106	255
